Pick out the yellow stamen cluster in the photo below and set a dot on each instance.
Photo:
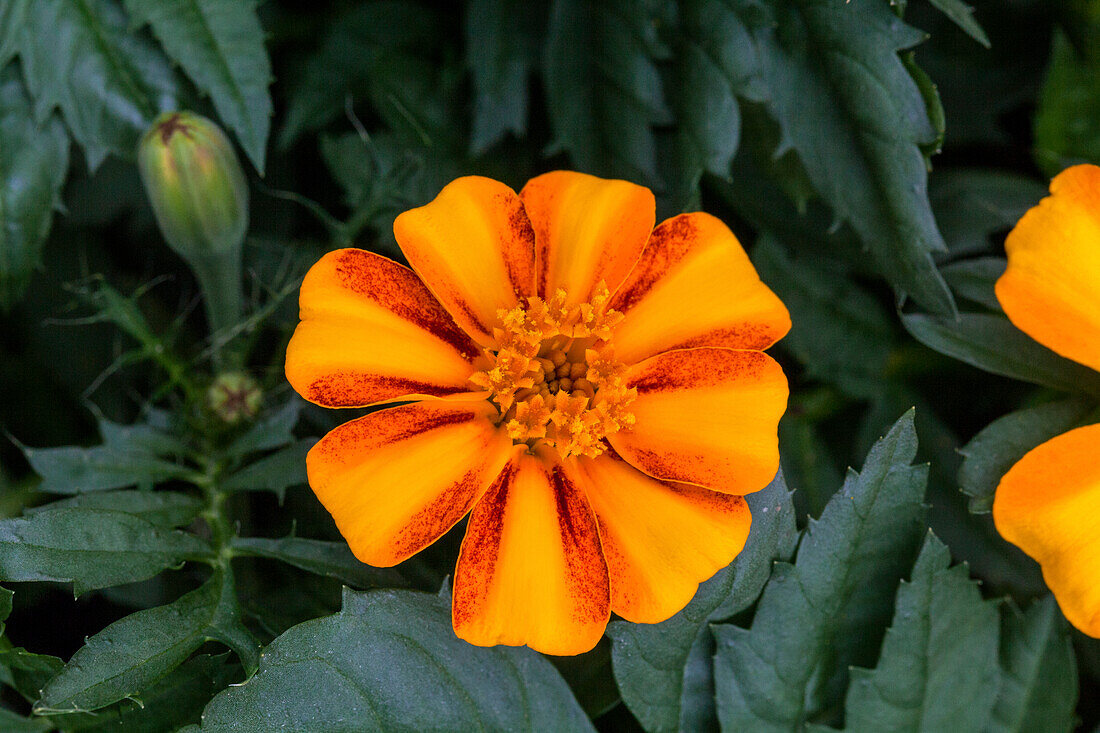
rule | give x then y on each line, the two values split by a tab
553	376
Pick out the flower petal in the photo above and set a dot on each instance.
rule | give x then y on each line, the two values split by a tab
370	333
706	416
587	229
396	480
1049	290
695	286
530	570
661	539
1048	505
474	248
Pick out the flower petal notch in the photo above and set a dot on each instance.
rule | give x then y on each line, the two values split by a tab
595	404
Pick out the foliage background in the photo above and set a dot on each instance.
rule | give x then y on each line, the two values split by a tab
871	154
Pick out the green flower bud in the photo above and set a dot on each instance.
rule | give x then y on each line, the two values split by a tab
195	184
234	397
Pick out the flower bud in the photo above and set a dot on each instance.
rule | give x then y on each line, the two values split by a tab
234	397
195	184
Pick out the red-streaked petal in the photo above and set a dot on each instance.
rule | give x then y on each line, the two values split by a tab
587	229
530	570
371	333
695	286
396	480
706	416
474	248
660	538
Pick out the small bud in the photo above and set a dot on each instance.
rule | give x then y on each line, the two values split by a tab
234	397
195	184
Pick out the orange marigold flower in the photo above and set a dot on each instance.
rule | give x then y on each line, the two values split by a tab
1048	504
596	479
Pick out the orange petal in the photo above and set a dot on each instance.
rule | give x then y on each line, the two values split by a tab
661	539
706	416
474	247
695	286
587	229
396	480
530	570
1048	505
371	332
1050	289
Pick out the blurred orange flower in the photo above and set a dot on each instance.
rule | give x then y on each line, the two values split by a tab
590	390
1048	504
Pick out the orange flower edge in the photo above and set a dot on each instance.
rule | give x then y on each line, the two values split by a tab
595	480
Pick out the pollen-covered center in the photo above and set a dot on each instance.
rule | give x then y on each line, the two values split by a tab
553	376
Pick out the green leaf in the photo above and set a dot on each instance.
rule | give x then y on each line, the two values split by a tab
502	42
938	669
276	472
34	160
830	75
991	342
997	447
274	430
603	101
664	670
962	15
12	722
975	280
122	80
973	204
162	508
129	655
92	548
220	44
821	615
841	333
332	559
1067	122
326	674
1038	672
27	672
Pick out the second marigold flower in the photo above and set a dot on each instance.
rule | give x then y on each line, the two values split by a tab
592	391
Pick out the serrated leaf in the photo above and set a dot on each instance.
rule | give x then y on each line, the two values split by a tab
324	675
990	342
80	56
502	41
821	615
997	447
92	548
72	470
603	102
1066	127
962	15
664	670
220	44
1038	672
162	508
331	559
937	670
273	430
277	472
34	161
129	655
831	77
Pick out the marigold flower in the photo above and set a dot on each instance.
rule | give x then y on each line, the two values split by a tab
590	390
1048	504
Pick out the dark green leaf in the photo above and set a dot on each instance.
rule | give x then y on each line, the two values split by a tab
808	461
92	548
975	279
79	56
604	100
27	672
220	44
962	15
72	470
664	670
973	204
333	559
1038	672
129	655
12	722
274	430
819	616
992	343
325	674
277	472
937	670
162	508
994	450
1067	123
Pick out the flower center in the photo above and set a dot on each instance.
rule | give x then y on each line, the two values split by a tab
553	376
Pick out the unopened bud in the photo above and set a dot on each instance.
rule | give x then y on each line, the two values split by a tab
234	397
195	184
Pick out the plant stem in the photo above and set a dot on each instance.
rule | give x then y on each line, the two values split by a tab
219	277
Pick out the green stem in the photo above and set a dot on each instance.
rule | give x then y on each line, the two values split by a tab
221	532
220	279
